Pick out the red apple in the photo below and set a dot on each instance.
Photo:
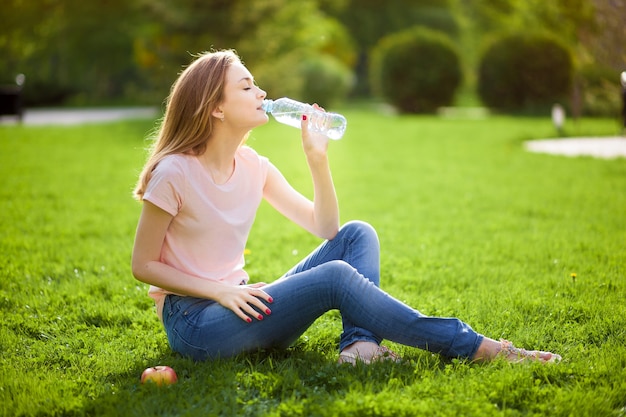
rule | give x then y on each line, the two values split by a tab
160	375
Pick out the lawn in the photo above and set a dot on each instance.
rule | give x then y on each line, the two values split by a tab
528	247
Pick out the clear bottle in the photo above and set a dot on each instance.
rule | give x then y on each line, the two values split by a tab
289	112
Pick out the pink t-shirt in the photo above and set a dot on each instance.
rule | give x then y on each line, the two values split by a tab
211	223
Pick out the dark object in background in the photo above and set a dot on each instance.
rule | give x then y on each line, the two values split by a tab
11	98
623	80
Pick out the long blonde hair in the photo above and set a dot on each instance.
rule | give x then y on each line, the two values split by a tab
188	122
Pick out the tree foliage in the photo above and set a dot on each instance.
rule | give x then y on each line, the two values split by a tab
593	29
64	48
116	48
294	37
107	50
368	21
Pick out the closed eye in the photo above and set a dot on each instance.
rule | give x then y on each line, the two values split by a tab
249	83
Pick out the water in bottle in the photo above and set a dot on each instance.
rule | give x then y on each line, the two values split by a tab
289	112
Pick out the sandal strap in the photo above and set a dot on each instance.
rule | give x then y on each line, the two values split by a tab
515	354
382	354
349	357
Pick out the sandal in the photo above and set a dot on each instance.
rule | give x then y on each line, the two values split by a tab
382	354
516	355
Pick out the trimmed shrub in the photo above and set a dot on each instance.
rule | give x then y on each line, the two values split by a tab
327	81
525	72
417	70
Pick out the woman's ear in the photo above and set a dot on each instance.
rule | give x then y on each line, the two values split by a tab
218	113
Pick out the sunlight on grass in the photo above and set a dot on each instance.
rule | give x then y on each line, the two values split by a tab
524	246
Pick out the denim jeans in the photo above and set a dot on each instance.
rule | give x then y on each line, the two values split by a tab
342	274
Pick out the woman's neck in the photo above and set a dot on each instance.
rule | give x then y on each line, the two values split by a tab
219	157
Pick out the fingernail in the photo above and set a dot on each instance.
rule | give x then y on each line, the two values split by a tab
248	319
304	117
271	300
260	317
268	311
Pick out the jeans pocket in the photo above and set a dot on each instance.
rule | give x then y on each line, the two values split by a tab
170	308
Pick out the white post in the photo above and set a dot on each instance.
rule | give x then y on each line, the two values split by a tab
558	118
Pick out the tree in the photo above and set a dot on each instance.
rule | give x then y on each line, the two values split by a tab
368	21
595	31
68	47
277	39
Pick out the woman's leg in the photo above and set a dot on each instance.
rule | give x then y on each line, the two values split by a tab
204	329
357	244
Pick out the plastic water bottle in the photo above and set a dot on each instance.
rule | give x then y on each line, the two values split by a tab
289	112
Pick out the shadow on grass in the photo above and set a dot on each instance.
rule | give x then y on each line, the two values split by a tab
252	384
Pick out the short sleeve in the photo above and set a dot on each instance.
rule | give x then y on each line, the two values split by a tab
260	163
166	186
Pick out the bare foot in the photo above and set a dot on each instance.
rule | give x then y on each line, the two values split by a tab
366	352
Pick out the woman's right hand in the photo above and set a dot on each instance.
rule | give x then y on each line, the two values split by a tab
314	143
246	301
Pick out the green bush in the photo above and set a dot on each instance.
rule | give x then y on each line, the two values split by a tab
38	93
279	77
417	70
327	81
314	78
525	72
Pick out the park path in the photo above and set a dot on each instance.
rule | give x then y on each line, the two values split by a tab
597	147
57	116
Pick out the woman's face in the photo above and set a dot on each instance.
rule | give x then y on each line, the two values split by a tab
242	99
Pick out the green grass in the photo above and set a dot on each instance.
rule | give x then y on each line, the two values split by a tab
470	225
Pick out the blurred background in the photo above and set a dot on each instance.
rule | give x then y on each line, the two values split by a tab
417	55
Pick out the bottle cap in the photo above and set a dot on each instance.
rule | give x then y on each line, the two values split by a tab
267	105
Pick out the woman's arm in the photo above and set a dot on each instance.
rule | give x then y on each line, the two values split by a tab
320	216
147	267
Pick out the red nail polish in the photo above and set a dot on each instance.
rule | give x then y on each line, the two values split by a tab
304	117
268	311
248	319
260	317
271	300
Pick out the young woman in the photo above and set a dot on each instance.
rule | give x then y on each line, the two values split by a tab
201	188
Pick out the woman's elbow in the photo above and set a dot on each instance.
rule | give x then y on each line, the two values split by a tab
330	232
136	273
138	269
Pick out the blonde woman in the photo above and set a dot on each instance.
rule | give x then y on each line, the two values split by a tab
200	189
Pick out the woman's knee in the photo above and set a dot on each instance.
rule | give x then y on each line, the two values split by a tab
337	267
339	276
360	229
335	273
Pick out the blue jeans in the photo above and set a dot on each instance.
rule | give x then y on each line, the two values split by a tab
343	274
